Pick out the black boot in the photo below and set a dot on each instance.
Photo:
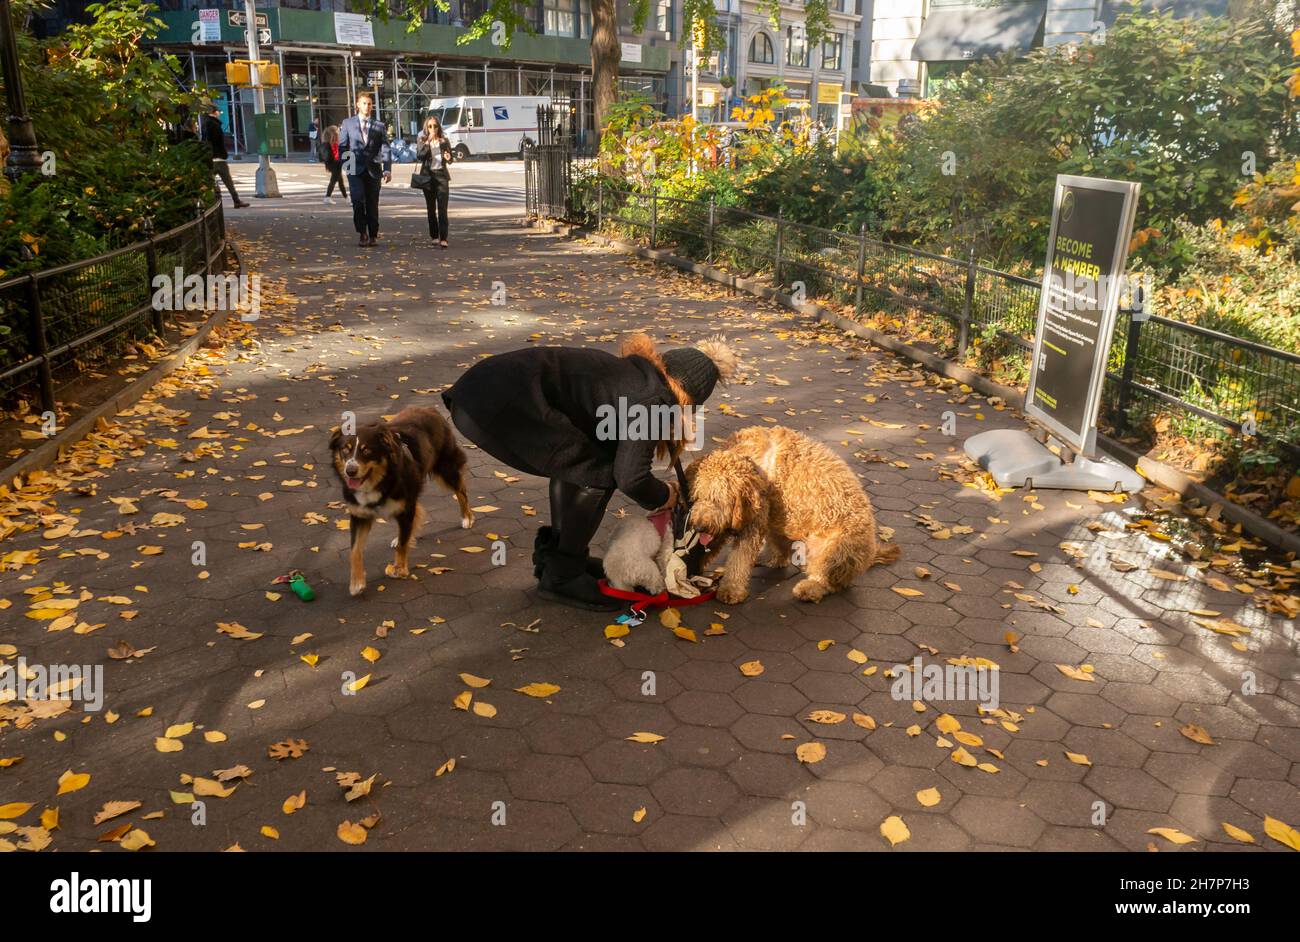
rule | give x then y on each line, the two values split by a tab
564	579
545	540
576	513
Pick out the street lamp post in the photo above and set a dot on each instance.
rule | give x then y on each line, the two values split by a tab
24	154
267	185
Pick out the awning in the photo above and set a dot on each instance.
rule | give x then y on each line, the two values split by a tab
950	34
1182	9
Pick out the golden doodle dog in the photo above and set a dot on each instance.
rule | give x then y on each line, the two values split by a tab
773	485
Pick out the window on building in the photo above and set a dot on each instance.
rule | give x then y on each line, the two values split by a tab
856	45
664	17
558	18
833	52
796	46
584	19
761	51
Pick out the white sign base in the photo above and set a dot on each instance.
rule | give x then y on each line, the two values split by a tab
1017	459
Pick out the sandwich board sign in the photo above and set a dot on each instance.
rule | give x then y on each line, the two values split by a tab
1092	222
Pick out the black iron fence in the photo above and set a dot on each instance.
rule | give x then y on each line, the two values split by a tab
57	322
1209	382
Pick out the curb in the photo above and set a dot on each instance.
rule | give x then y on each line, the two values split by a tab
51	451
1154	471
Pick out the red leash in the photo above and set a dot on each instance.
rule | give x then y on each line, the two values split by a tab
641	601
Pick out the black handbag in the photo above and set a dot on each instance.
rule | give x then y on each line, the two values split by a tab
421	180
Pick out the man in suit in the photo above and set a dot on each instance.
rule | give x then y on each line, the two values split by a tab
363	148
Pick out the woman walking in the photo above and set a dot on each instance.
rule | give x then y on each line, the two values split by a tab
328	151
546	411
433	150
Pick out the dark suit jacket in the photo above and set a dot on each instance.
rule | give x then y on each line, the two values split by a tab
371	158
424	154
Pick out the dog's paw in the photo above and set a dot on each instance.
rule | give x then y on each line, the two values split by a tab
356	587
393	571
467	521
731	594
810	590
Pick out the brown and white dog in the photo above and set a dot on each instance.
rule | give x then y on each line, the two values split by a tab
773	485
383	468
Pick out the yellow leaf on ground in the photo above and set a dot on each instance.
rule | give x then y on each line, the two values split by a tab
370	654
446	767
1196	733
1078	759
948	723
71	783
638	816
811	752
686	634
484	709
462	700
1237	834
929	797
114	809
350	833
962	757
1282	832
539	690
359	683
136	840
670	618
1173	835
645	737
178	730
616	631
866	722
894	830
751	668
15	809
828	717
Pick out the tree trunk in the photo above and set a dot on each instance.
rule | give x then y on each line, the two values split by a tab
606	51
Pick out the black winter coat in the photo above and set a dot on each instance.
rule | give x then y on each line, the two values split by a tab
536	411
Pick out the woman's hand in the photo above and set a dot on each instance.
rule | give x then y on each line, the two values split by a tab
672	497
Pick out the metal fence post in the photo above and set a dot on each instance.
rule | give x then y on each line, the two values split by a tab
151	263
39	347
654	215
207	248
600	204
862	268
780	231
967	306
712	210
1126	375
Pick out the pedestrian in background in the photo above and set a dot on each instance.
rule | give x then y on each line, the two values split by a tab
328	152
215	136
311	137
433	151
363	148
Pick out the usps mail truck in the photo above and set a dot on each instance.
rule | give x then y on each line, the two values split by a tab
488	125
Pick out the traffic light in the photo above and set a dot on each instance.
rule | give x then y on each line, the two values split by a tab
239	73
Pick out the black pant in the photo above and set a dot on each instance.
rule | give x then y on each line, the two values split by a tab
576	515
435	204
222	169
365	203
336	176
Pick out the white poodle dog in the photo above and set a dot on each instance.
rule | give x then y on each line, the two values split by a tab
639	555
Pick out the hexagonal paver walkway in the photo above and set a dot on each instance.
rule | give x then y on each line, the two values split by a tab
173	522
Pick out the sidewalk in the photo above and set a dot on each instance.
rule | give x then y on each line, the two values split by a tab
1109	652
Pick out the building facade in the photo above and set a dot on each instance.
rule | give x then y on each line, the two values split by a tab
917	44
